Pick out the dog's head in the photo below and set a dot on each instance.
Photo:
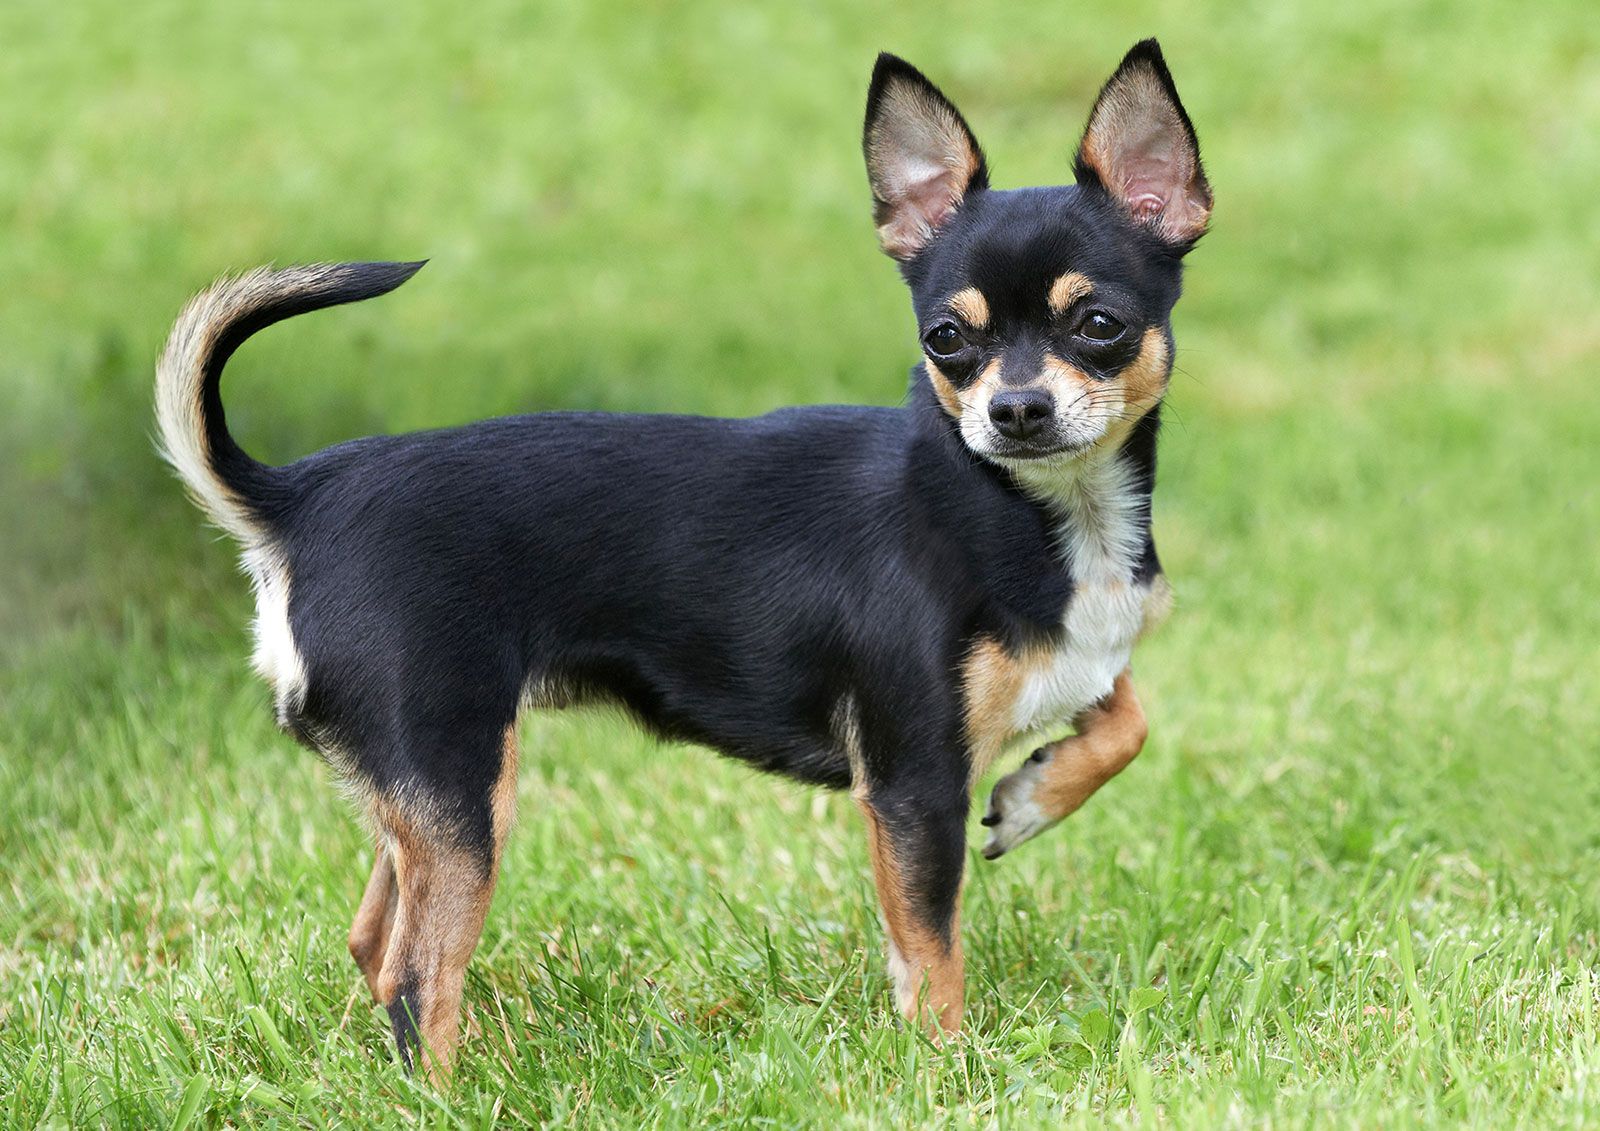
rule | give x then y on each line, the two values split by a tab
1044	313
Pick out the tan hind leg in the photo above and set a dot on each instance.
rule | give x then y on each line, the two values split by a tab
1058	778
369	934
444	889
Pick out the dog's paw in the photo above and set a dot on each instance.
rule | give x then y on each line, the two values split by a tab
1014	815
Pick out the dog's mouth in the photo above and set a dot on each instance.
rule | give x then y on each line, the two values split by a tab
1057	441
1030	453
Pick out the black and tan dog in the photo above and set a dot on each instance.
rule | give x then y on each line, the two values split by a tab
883	599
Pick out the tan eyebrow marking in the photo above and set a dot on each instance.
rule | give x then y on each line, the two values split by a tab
1068	289
972	306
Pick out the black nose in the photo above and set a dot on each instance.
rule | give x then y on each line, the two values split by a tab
1019	413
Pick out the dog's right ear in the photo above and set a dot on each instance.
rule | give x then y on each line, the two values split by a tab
922	159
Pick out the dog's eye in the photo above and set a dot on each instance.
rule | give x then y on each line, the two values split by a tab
1100	328
944	339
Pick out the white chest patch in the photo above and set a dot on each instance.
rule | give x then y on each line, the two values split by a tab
1102	623
1103	518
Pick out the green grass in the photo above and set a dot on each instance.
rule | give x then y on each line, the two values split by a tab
1354	880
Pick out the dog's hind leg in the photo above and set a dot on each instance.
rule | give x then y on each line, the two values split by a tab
1057	779
369	934
445	874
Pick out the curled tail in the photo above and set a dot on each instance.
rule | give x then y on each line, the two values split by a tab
223	481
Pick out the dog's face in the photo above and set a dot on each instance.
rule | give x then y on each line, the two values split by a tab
1043	312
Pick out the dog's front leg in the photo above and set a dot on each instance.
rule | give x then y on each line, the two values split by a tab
1058	778
916	835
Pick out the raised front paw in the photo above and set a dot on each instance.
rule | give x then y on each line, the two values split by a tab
1014	813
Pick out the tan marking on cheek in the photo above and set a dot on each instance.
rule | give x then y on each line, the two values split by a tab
929	974
1131	394
973	308
1068	289
1144	381
944	389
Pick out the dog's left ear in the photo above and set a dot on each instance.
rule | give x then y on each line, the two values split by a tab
1141	148
922	159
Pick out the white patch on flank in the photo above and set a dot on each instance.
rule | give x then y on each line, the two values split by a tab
276	656
1101	532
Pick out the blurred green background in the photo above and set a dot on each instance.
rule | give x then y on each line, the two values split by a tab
662	207
1378	504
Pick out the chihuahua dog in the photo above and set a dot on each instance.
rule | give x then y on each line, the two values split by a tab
878	599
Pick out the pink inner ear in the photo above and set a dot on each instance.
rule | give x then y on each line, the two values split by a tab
934	197
1158	187
1145	205
1137	144
1153	171
921	159
921	201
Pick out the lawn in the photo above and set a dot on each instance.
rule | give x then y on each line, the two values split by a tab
1354	880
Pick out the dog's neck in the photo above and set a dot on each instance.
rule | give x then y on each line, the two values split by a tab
1100	502
1032	537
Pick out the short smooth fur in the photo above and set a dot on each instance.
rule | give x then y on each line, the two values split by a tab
878	599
